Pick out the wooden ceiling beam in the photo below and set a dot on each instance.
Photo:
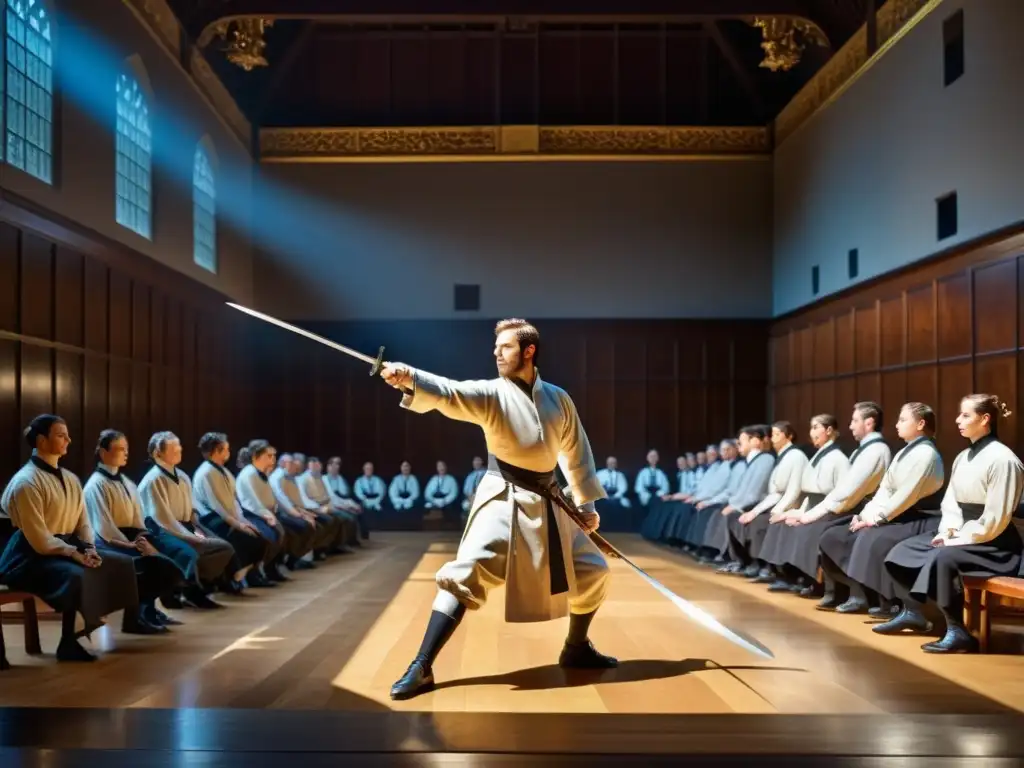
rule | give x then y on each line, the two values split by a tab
401	11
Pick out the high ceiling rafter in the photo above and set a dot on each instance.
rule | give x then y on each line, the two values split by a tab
201	15
352	63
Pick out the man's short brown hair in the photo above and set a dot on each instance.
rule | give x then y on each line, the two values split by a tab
526	334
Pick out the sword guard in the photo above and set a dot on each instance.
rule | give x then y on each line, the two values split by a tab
378	363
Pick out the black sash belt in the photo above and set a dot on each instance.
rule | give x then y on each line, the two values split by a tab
971	511
924	509
538	482
814	499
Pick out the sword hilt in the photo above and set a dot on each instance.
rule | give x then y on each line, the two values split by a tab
573	514
378	363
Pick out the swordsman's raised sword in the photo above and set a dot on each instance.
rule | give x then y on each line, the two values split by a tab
375	362
555	494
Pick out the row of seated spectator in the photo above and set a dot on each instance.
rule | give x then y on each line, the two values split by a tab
892	536
625	507
397	503
111	545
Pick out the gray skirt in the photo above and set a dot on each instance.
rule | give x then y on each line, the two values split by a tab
861	555
800	545
936	572
774	544
750	536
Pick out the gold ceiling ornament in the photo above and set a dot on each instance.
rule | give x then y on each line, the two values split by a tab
245	43
784	40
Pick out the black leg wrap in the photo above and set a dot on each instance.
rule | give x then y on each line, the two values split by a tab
579	627
439	629
578	652
419	677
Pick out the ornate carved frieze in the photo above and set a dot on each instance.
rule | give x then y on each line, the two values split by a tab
655	140
482	143
894	18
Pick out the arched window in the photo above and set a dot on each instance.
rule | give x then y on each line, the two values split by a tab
204	211
29	103
134	194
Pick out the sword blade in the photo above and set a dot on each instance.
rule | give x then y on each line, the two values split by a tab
704	618
696	613
375	363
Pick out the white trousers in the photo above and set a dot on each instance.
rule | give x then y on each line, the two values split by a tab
481	564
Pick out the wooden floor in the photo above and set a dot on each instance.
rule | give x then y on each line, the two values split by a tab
322	651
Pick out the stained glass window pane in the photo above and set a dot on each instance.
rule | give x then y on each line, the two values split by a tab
204	212
134	162
29	89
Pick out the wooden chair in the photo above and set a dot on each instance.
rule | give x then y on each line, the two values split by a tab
29	618
979	605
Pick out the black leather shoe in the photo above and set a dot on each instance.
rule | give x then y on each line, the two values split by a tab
231	587
584	656
172	602
201	601
906	621
158	618
853	605
418	678
273	573
70	650
138	625
956	640
257	580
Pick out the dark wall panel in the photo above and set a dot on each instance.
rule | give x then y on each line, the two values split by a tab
932	334
105	338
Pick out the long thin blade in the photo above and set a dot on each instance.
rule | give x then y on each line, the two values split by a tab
699	615
704	618
303	332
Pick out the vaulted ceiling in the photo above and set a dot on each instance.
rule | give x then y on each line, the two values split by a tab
489	62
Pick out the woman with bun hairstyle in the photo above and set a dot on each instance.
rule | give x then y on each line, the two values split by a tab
53	553
976	535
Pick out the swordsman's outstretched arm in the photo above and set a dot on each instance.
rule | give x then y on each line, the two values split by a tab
472	401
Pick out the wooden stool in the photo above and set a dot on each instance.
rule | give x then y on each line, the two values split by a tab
28	617
978	609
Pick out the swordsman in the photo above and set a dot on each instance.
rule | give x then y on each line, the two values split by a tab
514	534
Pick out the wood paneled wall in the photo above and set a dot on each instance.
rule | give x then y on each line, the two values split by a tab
931	333
108	338
671	385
